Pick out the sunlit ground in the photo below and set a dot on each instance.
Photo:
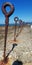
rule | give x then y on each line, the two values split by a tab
24	36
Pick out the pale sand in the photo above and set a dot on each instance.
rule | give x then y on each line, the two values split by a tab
28	64
25	37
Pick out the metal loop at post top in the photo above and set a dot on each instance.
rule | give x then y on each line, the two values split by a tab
4	10
16	19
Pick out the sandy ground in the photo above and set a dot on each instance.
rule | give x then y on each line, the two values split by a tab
10	63
28	64
24	36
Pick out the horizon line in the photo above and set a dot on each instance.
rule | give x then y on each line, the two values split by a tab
16	24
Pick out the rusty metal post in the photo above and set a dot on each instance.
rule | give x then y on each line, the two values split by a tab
7	15
15	19
21	23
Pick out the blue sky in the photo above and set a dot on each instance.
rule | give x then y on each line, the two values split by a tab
23	9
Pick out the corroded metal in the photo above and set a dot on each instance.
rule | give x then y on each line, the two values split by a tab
15	19
4	10
7	15
21	24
